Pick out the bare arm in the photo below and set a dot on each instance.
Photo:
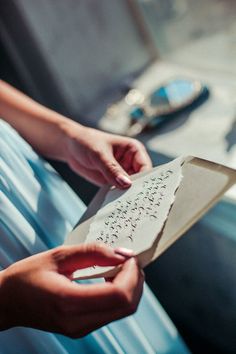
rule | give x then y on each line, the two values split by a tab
100	157
40	126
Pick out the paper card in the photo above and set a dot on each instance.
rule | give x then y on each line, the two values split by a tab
134	218
154	212
204	183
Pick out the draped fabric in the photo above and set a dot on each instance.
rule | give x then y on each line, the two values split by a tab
37	211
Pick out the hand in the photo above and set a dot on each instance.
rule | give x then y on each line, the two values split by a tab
100	157
104	158
38	292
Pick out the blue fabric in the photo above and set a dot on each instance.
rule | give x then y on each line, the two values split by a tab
37	211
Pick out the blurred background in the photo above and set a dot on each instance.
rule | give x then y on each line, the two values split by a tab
81	57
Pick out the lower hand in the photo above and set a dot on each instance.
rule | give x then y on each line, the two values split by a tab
38	291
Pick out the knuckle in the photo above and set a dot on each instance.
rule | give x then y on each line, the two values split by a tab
125	301
112	168
59	255
58	252
119	296
131	308
98	154
96	248
136	143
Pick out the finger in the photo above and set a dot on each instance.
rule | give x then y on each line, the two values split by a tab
131	278
91	175
124	292
127	159
113	171
131	171
71	258
141	160
118	151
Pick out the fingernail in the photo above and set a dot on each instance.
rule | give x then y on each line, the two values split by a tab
124	252
123	181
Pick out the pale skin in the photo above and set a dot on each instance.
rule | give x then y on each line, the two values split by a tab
47	298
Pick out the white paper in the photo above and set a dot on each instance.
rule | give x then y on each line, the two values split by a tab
134	218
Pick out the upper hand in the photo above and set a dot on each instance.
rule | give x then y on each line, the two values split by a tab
38	292
104	158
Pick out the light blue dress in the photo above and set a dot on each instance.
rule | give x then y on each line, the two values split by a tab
37	211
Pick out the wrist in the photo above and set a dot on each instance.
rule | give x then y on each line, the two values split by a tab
70	131
54	137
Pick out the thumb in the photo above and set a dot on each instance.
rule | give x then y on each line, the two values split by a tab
113	172
71	258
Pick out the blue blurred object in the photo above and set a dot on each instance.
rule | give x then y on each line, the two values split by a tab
175	93
137	113
166	102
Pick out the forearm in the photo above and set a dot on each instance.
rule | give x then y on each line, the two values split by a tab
40	126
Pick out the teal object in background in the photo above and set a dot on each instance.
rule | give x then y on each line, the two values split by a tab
165	103
37	210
